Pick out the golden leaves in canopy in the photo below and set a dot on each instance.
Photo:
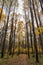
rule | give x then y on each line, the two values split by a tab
2	15
39	30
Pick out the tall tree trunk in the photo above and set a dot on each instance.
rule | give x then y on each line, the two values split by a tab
30	31
35	41
40	38
3	46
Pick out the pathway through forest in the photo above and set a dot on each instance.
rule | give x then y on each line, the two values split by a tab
21	60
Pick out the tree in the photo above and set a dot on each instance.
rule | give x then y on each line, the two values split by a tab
14	35
27	35
2	51
41	3
40	37
35	41
30	25
11	40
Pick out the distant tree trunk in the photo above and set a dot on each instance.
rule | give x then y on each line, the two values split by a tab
35	41
18	46
19	42
38	16
14	38
39	19
27	37
2	34
31	37
41	4
27	40
11	38
3	46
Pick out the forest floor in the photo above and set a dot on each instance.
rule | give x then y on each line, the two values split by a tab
22	59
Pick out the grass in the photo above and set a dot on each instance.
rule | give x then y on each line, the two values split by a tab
7	60
32	60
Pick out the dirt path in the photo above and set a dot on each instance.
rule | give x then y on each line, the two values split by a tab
21	60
